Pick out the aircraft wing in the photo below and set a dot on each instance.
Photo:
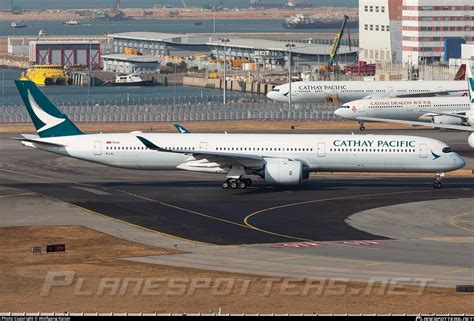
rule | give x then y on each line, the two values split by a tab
418	123
216	157
461	114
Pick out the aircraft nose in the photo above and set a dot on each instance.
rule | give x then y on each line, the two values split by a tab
459	161
338	112
270	95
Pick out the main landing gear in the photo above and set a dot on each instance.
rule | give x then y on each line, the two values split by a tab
437	182
237	183
361	126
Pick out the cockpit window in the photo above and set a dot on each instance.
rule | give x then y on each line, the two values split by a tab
276	89
448	150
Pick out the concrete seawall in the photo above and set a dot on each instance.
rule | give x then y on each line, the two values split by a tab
232	85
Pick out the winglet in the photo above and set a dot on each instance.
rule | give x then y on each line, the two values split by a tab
150	145
181	129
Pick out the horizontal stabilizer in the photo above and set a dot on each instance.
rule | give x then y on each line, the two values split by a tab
37	140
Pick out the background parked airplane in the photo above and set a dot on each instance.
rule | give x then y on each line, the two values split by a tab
439	110
468	117
345	91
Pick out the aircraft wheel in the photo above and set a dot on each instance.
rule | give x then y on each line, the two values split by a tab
233	184
248	181
362	128
226	185
242	184
438	184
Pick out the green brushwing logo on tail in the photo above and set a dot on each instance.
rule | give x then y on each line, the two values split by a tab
49	121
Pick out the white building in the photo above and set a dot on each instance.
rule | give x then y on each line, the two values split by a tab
128	64
427	23
380	30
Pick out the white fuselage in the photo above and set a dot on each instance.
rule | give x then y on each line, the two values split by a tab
324	153
318	91
423	108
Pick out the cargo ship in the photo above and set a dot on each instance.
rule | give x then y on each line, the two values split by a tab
304	21
45	75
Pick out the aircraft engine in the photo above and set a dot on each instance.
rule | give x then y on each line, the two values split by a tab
470	140
283	171
470	117
447	120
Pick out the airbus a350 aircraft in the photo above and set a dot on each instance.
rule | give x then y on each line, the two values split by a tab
277	158
345	91
438	110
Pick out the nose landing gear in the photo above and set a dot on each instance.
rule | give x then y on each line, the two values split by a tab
361	126
237	183
437	182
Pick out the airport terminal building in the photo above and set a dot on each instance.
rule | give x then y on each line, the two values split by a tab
269	52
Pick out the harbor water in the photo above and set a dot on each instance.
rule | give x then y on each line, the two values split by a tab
63	95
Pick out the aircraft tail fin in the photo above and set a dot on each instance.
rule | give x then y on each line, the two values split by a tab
470	85
461	74
48	120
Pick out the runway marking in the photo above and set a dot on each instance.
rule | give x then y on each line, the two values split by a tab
454	221
97	213
297	245
13	195
287	258
92	190
246	219
211	217
366	264
159	202
457	271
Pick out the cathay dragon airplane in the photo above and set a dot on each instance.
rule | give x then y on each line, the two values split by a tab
466	117
277	158
438	110
345	91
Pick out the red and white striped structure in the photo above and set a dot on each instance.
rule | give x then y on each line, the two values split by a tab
427	23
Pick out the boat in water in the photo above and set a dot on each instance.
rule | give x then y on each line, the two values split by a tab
198	23
130	80
42	33
304	21
46	75
72	23
17	24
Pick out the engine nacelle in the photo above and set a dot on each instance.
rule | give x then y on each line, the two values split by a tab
470	117
447	120
283	171
470	140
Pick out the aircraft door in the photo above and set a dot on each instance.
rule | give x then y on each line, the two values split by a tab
97	147
321	150
203	146
423	151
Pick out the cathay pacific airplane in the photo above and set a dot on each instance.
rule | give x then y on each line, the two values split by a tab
277	158
438	110
467	117
345	91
